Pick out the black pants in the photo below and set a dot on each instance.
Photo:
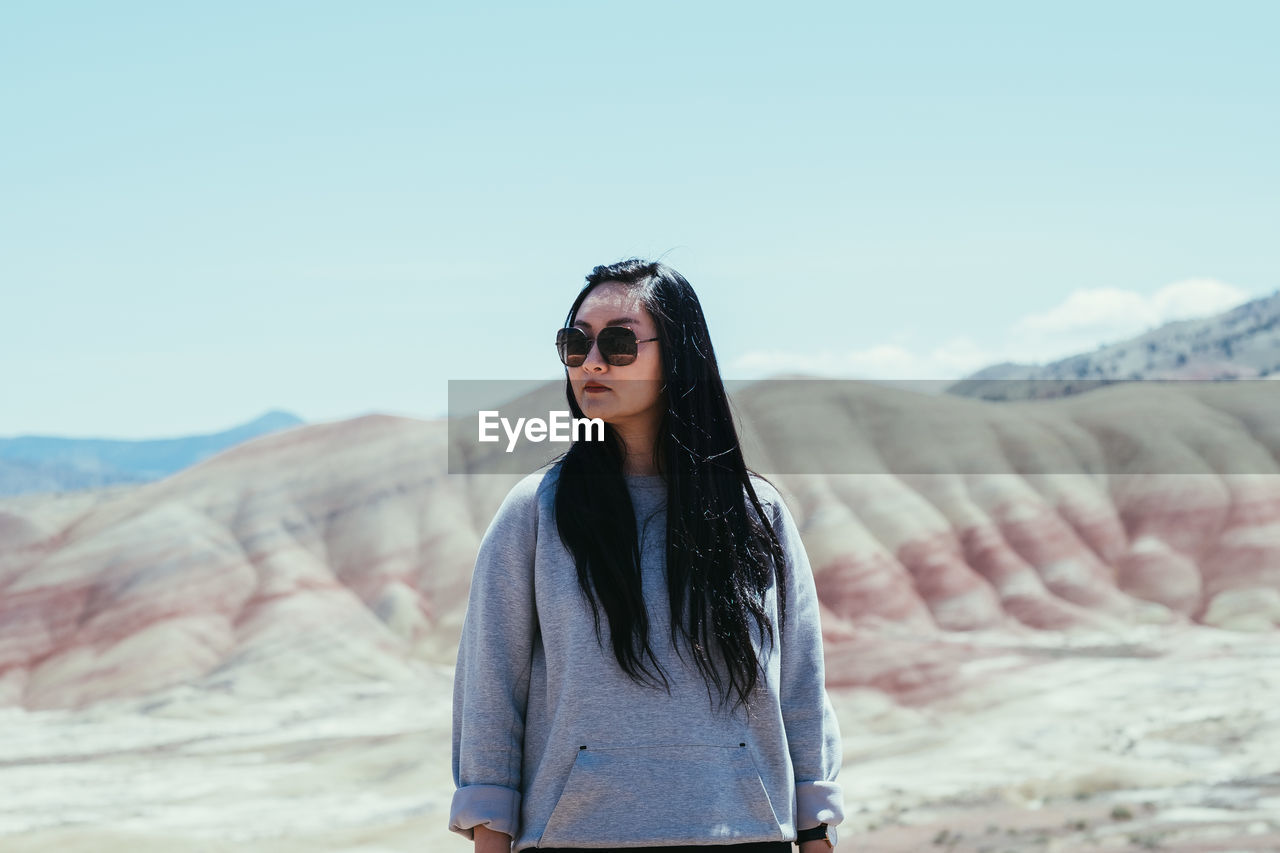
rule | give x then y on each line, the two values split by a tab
755	847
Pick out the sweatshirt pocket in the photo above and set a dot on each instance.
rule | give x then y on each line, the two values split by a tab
670	794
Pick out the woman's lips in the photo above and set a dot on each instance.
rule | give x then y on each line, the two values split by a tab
594	387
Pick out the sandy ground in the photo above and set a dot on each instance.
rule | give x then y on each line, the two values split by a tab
1173	747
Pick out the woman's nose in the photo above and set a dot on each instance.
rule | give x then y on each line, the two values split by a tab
594	362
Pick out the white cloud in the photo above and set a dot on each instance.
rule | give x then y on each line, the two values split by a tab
1098	313
1079	323
948	360
1090	317
1196	297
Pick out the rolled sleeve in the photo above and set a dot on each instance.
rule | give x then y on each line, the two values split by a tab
485	805
819	802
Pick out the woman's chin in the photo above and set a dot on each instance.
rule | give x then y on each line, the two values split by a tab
595	409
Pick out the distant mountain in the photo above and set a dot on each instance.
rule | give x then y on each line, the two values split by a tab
38	463
1242	343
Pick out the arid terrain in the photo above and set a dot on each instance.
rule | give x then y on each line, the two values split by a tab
1050	625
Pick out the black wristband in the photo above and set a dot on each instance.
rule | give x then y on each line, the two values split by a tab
818	833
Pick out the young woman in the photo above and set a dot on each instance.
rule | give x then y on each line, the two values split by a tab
641	660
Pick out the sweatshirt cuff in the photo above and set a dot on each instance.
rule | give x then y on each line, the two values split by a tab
485	805
818	802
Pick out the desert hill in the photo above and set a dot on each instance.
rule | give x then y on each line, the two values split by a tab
349	544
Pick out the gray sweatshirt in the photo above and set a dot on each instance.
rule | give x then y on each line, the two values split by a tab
556	746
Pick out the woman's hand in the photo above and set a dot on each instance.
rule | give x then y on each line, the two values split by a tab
818	846
491	841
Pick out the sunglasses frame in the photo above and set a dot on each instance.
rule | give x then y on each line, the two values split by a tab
607	349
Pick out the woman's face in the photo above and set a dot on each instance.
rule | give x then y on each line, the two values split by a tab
629	396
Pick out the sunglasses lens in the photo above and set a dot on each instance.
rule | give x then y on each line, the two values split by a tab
617	345
572	345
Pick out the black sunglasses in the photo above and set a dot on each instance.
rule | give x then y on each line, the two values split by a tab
617	345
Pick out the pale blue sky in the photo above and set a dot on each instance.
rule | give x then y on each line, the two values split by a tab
211	210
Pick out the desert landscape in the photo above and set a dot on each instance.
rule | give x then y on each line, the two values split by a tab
1050	625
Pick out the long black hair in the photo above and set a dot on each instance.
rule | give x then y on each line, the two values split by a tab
722	551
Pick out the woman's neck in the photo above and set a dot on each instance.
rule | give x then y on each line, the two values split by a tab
639	466
638	445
